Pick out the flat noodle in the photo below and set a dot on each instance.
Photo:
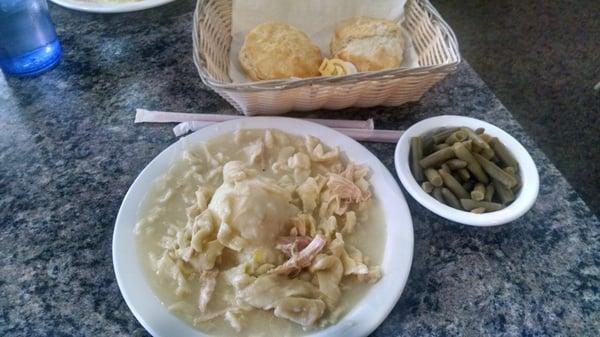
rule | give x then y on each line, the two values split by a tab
269	220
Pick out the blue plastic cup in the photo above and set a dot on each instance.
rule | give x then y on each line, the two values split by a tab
28	42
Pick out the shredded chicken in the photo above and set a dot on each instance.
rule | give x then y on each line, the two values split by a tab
208	283
303	258
291	245
345	188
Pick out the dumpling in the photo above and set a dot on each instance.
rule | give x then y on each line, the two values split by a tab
309	192
267	290
202	230
352	264
317	152
304	311
256	208
349	223
329	272
229	238
207	258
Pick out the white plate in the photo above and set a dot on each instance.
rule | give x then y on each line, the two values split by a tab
360	321
110	7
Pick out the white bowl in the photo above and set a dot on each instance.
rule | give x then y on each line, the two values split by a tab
361	320
527	171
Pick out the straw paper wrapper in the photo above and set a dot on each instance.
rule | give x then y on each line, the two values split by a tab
362	130
365	135
149	116
317	18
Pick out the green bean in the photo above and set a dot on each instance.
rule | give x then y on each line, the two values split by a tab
453	184
416	154
517	187
433	177
478	210
442	135
472	165
451	199
465	168
427	187
464	174
504	194
470	204
487	153
440	146
468	185
457	136
486	138
437	194
503	153
489	192
513	172
476	139
437	158
455	164
427	144
510	170
457	177
478	192
468	144
495	172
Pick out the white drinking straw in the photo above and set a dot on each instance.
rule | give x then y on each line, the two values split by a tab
365	135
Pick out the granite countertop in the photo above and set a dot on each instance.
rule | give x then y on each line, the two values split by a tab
69	151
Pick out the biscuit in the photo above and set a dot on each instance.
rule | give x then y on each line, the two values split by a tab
368	43
277	50
336	67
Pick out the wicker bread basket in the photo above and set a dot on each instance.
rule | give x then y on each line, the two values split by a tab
433	40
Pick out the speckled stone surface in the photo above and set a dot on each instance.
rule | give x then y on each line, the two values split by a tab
69	151
542	59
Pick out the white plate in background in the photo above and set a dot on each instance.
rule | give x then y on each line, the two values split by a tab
361	320
95	6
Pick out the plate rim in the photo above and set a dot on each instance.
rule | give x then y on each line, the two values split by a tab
108	7
400	271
